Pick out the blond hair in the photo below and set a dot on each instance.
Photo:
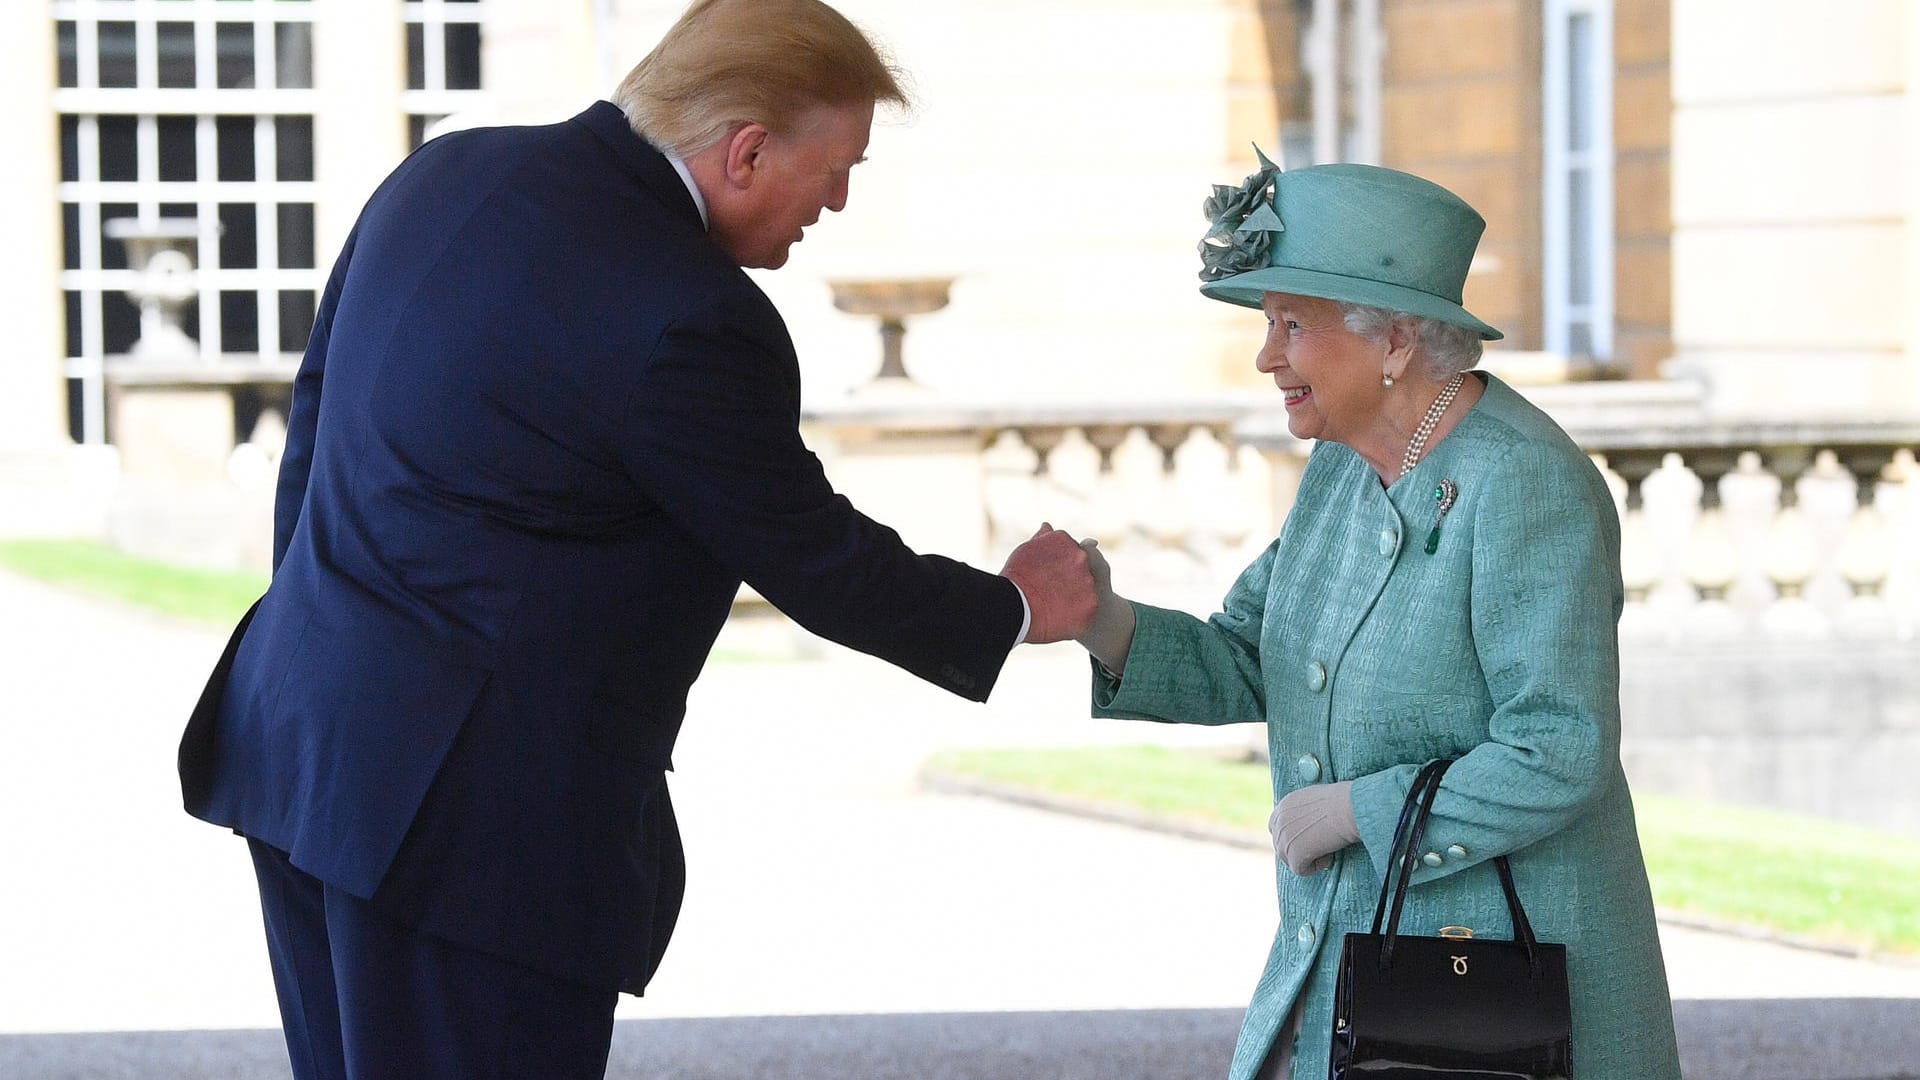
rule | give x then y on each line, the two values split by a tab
729	62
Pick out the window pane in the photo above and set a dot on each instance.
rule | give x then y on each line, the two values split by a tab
239	236
69	54
120	318
293	55
1579	237
296	319
463	56
76	408
179	147
117	67
1580	82
176	55
234	143
1580	339
179	210
240	322
416	57
70	233
190	318
296	236
69	148
293	139
119	148
233	48
73	323
113	253
417	130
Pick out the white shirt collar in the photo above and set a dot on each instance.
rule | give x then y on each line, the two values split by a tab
686	177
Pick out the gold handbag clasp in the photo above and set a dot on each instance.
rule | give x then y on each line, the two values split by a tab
1457	933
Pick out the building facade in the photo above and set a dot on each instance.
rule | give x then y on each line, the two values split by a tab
1664	180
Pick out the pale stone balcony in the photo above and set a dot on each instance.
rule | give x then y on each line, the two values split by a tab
1771	642
1770	645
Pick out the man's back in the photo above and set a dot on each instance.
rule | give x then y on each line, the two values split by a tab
543	432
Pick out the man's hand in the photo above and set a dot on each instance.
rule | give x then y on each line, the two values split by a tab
1052	571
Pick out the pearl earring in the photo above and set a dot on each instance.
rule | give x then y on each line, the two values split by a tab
1386	380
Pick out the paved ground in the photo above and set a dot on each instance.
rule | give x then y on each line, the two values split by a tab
840	922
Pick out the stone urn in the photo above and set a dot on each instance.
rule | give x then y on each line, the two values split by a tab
892	301
163	255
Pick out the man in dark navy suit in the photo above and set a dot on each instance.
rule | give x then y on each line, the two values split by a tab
545	428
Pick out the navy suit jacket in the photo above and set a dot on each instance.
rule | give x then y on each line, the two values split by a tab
544	429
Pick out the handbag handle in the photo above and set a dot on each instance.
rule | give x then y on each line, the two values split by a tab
1412	829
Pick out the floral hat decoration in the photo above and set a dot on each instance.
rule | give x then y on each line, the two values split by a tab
1243	225
1357	234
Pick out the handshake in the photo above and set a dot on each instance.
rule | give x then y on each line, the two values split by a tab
1069	591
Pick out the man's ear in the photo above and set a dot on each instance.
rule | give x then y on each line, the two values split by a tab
744	148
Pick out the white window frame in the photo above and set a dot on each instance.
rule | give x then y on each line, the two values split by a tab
146	102
432	16
1561	161
1342	46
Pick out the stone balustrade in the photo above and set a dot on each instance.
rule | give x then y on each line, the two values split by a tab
1177	497
1773	591
1728	526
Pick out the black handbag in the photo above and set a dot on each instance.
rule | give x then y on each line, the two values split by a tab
1453	1007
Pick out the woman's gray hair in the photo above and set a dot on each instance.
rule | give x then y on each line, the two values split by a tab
1446	349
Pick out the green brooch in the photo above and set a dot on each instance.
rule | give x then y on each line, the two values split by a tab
1445	495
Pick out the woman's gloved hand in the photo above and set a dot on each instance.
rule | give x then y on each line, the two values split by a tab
1310	824
1109	637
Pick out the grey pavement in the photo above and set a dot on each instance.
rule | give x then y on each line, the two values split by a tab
1789	1039
840	920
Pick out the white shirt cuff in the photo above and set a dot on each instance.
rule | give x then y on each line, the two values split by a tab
1026	615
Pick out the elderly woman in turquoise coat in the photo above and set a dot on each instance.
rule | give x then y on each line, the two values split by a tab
1446	585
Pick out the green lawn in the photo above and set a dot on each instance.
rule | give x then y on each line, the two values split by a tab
1183	785
1794	875
214	596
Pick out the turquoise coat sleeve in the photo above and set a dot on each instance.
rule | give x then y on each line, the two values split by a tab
1182	670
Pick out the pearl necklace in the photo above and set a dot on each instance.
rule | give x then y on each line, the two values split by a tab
1434	412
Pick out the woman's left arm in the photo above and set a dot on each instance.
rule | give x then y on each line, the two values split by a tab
1546	600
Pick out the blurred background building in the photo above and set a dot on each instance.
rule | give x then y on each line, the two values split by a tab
1703	243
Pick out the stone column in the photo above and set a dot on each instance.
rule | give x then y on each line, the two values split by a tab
48	486
1907	388
32	394
359	72
1791	198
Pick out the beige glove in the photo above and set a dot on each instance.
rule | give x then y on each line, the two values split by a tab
1310	824
1109	636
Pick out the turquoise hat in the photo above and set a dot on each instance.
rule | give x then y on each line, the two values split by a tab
1354	233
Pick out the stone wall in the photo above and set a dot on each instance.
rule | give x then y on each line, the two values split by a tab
1825	727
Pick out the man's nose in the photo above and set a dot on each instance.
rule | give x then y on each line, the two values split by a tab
838	201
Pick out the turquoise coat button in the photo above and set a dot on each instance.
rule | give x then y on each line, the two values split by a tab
1316	676
1455	851
1389	541
1432	858
1307	768
1305	936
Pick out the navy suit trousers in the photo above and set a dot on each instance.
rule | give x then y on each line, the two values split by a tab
366	998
